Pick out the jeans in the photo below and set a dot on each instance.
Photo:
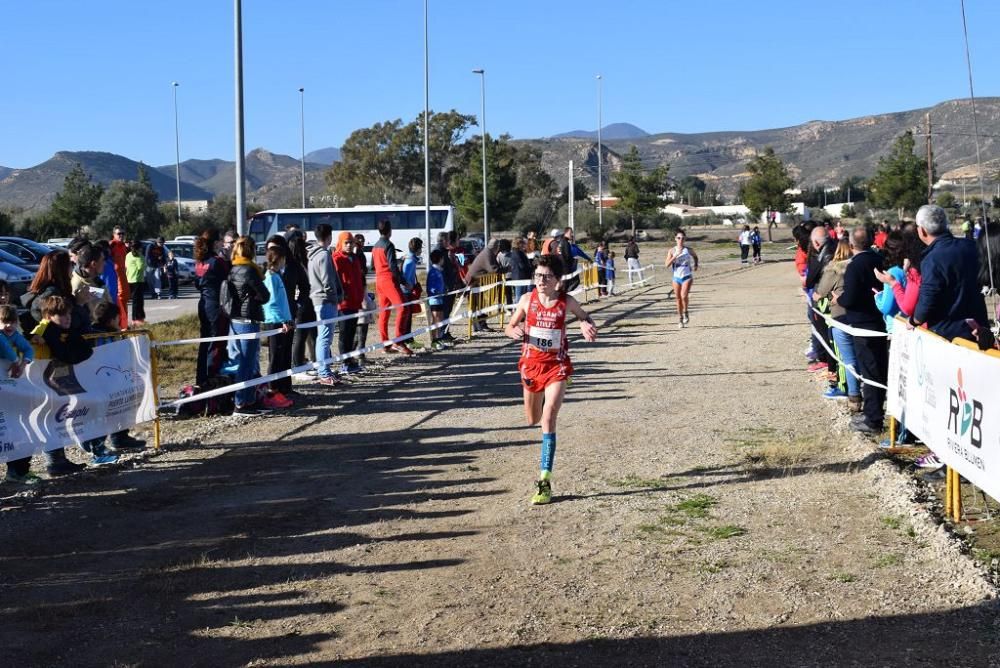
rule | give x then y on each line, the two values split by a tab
744	252
279	356
845	344
211	355
324	338
304	340
247	361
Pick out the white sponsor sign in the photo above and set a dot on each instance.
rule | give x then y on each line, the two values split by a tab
949	396
55	404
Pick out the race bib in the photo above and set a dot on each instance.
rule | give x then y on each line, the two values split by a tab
544	339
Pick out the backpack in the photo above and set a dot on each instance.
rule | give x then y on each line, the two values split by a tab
220	405
229	300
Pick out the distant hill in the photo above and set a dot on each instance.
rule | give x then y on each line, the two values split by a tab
615	131
4	171
272	179
324	156
35	187
817	152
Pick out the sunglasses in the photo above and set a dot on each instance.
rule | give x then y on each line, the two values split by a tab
544	277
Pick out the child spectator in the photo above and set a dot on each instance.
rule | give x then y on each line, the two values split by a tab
171	271
277	315
135	272
106	322
348	267
15	349
609	272
53	339
436	290
415	246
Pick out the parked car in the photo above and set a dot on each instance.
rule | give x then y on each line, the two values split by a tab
26	249
61	242
185	265
186	237
471	245
16	276
10	258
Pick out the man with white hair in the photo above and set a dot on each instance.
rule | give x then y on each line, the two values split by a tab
949	289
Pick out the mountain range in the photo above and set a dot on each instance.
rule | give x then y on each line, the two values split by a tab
816	153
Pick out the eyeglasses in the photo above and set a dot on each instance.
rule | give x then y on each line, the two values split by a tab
119	234
544	277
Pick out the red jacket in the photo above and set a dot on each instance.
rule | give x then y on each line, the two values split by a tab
801	261
349	271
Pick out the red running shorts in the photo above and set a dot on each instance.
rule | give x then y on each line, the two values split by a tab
536	375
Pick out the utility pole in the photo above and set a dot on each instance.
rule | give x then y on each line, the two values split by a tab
930	159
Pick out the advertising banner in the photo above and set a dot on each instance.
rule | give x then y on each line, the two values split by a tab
56	404
949	396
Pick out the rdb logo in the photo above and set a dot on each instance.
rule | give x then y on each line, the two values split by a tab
965	416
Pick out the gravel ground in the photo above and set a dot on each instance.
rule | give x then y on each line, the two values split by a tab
711	509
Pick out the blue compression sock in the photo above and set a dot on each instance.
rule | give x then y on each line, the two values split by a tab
548	453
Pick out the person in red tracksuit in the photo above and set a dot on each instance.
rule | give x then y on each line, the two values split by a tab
388	280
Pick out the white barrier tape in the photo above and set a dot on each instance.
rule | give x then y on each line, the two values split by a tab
853	331
850	369
307	325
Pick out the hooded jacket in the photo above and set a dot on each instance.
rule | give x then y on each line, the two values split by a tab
351	278
324	284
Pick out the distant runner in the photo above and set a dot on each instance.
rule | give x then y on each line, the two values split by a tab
684	262
545	365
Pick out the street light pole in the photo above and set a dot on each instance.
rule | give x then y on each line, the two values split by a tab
177	152
302	125
600	161
486	218
241	207
427	157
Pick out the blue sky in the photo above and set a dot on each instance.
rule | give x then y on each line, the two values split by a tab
97	75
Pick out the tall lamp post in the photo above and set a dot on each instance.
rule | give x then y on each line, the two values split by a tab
302	126
427	156
177	151
600	161
241	192
482	88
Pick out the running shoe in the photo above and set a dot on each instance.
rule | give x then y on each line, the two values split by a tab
400	348
929	461
328	381
28	478
102	460
64	467
438	345
865	428
276	401
544	493
686	318
834	393
817	366
249	411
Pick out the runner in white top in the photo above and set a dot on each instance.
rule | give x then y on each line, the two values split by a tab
684	262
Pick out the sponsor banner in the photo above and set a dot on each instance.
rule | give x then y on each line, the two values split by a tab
949	397
56	404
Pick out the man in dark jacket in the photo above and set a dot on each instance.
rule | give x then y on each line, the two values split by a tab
452	280
485	263
949	287
861	311
520	267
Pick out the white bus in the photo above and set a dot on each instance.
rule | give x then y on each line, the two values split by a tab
407	222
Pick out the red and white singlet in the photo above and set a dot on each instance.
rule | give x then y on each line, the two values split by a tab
545	350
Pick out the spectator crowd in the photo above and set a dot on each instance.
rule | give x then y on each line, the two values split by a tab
82	295
858	281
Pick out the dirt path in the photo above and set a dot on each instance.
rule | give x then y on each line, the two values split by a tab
709	512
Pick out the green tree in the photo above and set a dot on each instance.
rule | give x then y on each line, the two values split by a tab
534	181
692	190
504	195
131	204
946	200
900	180
639	194
6	224
536	213
448	157
765	189
74	207
581	192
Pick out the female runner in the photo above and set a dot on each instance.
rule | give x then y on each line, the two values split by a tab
545	365
684	262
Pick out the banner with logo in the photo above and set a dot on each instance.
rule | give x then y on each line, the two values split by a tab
54	404
949	396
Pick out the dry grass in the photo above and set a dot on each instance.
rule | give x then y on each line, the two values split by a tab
774	456
176	363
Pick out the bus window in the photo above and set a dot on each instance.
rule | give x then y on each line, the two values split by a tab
358	221
260	225
299	220
397	218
